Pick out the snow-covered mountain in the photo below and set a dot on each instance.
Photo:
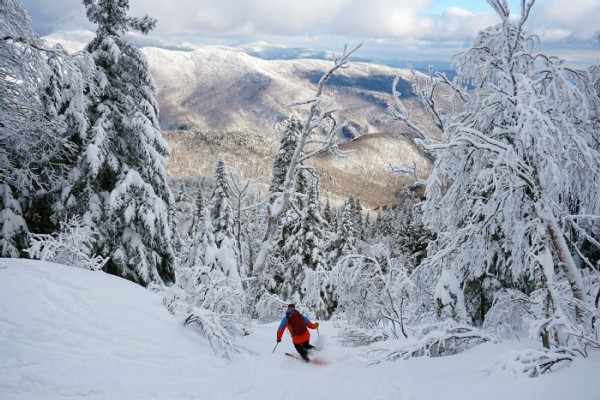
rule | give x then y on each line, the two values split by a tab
78	334
226	88
243	99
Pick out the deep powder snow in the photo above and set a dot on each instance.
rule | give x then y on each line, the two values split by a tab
72	333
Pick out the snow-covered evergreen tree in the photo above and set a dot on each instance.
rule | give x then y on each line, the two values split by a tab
344	241
206	295
222	219
281	163
306	274
357	211
198	213
400	228
220	205
120	185
278	265
328	215
202	249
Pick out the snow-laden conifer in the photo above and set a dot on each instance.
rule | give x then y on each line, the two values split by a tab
221	215
306	275
120	184
283	158
344	241
220	205
278	269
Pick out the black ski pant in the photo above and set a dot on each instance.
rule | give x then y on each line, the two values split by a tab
303	348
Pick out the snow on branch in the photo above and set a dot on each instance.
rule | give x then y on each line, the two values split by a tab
269	308
353	336
207	299
446	338
505	317
374	290
72	245
533	362
407	170
217	329
399	113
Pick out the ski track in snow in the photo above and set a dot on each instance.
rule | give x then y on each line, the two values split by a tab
70	333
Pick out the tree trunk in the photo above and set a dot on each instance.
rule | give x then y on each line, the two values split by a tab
548	307
567	263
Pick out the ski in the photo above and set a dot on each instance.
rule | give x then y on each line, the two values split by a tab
317	361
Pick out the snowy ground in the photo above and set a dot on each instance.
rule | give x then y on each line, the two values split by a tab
70	333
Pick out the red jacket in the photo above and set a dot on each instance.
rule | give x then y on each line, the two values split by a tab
298	338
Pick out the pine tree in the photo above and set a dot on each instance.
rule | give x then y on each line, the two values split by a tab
198	213
220	206
281	163
120	184
344	242
328	213
221	215
279	260
306	272
357	211
203	240
206	294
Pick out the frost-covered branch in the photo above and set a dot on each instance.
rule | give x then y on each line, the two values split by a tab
446	338
400	113
207	299
316	117
72	245
532	362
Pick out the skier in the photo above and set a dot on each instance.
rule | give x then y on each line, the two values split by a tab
297	324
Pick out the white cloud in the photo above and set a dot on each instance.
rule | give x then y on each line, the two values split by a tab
580	17
353	18
398	21
459	12
377	18
553	34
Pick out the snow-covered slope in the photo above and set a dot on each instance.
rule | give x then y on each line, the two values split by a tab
224	88
70	333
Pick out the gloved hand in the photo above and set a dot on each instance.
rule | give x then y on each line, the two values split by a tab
278	340
316	325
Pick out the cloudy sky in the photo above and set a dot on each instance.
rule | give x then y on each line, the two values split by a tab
416	29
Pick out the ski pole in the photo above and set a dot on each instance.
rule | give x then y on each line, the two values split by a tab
276	344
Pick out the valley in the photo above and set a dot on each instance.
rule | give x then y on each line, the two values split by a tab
221	100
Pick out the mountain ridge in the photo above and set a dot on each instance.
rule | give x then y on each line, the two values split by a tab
207	93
